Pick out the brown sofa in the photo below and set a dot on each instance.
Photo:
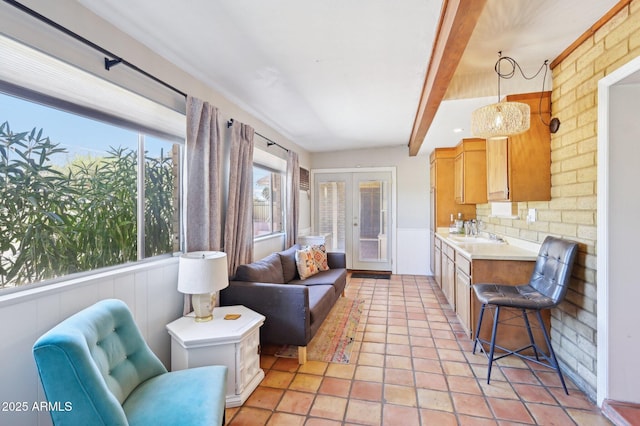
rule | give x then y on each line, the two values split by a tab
294	308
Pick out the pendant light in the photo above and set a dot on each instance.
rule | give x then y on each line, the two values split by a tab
503	118
500	120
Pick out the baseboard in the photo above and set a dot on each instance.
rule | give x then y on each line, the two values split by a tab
621	413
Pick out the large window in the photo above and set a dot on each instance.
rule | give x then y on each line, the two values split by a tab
267	201
80	194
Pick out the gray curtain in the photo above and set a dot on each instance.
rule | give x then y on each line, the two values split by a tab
204	177
203	180
238	231
293	198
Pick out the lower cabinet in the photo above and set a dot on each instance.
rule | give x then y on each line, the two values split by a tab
437	262
449	274
463	292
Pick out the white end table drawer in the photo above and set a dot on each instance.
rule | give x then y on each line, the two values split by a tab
249	361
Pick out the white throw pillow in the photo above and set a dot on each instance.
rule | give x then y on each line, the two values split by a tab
305	263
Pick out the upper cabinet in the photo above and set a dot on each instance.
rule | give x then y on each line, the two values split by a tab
442	193
470	176
519	167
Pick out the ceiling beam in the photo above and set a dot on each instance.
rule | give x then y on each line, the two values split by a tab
458	19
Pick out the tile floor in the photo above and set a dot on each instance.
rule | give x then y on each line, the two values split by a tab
411	365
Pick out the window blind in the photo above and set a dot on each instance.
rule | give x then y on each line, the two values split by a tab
32	74
304	179
269	160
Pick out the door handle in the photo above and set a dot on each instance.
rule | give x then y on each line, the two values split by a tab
355	224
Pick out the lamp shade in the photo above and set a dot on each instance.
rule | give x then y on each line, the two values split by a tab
500	120
202	272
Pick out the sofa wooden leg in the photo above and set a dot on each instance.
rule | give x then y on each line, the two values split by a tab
343	293
302	354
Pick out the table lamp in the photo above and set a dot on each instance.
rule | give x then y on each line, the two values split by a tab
202	274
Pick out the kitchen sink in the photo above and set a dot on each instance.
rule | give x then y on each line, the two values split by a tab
474	240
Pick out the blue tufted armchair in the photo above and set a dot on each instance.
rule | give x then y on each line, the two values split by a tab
99	370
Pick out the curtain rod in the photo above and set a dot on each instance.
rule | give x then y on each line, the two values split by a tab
269	141
108	63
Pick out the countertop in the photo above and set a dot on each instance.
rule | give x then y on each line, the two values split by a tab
510	250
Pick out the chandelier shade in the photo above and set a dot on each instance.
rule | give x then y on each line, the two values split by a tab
500	120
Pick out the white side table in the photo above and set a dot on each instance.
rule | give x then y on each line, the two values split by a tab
234	343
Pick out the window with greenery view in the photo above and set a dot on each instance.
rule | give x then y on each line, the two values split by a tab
78	194
267	201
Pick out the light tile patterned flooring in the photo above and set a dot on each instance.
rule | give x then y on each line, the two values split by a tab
411	365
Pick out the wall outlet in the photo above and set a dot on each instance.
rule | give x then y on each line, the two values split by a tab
532	216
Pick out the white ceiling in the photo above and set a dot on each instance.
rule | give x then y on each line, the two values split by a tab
342	74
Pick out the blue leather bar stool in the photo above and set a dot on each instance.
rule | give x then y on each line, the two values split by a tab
546	289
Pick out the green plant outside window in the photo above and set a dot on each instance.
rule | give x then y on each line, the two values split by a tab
71	204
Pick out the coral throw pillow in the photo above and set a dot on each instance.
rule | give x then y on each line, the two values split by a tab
305	263
320	257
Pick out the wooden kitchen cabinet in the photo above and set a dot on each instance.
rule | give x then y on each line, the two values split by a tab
442	202
448	274
437	256
463	292
519	167
470	172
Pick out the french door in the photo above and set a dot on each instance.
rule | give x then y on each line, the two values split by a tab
355	208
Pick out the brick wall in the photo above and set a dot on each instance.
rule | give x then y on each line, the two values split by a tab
571	213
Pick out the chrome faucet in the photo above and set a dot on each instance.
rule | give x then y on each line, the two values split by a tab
495	237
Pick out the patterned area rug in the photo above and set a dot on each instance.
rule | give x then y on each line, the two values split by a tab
334	340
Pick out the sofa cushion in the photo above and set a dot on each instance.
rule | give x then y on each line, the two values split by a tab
322	278
266	270
321	300
288	260
320	257
306	265
336	260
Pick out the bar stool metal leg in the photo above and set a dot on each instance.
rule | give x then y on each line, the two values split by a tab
533	342
477	334
496	318
552	354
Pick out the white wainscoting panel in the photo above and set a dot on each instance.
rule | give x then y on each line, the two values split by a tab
413	251
149	289
263	247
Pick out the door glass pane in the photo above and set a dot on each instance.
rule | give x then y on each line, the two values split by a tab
372	239
332	213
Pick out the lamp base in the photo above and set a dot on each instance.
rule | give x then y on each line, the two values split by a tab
203	306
